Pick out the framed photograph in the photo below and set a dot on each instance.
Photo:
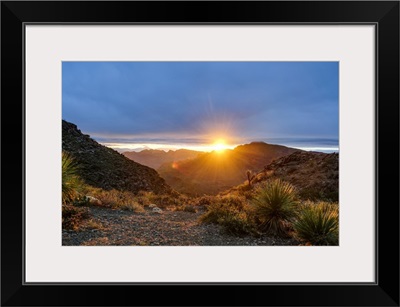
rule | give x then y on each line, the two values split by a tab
240	146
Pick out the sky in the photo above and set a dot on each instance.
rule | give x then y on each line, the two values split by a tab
171	105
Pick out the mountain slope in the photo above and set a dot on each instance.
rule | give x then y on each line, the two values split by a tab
155	158
314	174
104	167
211	173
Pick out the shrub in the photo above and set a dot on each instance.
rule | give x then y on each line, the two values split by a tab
234	201
131	206
237	223
204	201
232	213
115	199
162	201
71	183
92	224
245	190
72	217
318	223
143	198
275	206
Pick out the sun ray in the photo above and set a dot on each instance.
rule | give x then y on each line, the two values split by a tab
220	145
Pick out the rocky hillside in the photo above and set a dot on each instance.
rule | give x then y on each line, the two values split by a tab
104	167
155	158
314	174
214	172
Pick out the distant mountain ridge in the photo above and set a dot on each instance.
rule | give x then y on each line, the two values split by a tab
104	167
214	172
154	158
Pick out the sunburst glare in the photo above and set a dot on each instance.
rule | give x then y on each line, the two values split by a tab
220	146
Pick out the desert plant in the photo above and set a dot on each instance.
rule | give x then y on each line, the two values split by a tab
204	201
71	182
123	200
244	190
72	216
131	206
93	224
185	208
232	213
237	223
250	176
275	206
213	213
318	223
162	201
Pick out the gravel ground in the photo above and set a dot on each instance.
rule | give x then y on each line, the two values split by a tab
170	228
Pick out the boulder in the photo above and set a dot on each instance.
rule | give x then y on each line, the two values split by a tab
157	210
93	200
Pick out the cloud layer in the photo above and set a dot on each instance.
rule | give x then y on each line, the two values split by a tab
201	101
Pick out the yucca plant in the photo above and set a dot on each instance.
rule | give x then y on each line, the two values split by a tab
275	206
318	224
71	183
250	176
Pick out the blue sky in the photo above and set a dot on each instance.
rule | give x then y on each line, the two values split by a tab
133	105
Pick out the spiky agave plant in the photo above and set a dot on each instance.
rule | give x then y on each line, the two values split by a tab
275	206
318	223
71	182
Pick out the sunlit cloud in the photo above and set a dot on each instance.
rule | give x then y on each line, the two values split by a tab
169	105
166	147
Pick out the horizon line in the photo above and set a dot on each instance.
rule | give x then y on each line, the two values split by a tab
138	147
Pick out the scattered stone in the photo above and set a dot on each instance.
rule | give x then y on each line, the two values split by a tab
152	206
93	200
171	228
157	210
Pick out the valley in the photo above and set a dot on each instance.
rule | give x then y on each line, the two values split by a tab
195	198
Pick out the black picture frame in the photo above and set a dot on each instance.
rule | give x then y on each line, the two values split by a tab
383	14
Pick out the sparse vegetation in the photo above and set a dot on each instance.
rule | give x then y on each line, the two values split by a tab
131	206
186	208
243	190
162	201
318	223
205	201
238	223
71	182
115	199
92	224
275	206
72	217
105	168
232	213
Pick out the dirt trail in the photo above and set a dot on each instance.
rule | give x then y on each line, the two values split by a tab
170	228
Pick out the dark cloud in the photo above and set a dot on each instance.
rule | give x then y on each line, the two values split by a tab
197	99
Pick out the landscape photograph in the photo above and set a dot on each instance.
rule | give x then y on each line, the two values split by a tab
200	153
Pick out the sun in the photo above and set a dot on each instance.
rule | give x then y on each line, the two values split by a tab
219	145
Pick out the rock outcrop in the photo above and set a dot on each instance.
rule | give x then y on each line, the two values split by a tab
103	167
